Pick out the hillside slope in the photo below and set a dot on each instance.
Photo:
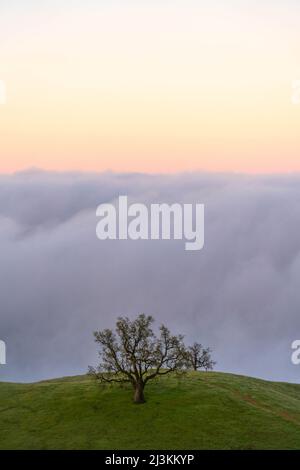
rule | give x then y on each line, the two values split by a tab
204	411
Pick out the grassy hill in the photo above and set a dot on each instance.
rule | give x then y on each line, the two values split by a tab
204	411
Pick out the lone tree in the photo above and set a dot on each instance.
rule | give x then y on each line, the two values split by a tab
199	357
134	354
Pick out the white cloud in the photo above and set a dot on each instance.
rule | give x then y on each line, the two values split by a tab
58	282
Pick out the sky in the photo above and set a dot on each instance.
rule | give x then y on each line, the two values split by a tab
163	101
150	86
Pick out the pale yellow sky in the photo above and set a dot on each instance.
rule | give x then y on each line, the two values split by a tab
150	86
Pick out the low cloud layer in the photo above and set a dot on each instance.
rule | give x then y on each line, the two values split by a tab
58	282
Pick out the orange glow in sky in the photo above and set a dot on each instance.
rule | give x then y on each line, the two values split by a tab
150	86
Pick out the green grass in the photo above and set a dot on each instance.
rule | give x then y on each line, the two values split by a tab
202	411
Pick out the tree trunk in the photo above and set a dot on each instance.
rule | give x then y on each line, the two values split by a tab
139	393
